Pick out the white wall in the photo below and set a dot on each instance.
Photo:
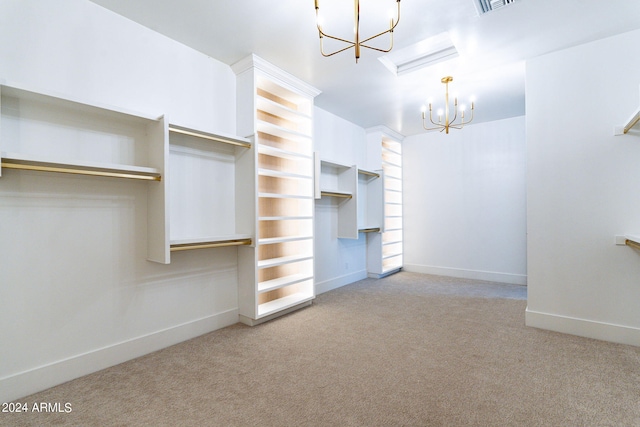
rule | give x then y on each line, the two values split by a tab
583	186
338	261
77	293
465	202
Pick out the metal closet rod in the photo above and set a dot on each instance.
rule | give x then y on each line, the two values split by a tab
369	230
633	244
364	172
209	137
332	194
205	245
111	174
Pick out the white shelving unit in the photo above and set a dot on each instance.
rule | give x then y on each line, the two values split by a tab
338	183
276	273
52	133
370	201
204	197
385	250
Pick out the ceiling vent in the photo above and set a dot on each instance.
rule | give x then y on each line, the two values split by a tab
485	6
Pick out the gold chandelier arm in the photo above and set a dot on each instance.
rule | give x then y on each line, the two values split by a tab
438	125
455	114
323	34
377	48
468	121
351	44
390	30
431	119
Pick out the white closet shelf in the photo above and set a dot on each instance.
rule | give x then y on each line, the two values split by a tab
282	132
272	107
273	262
278	152
210	242
69	102
225	139
272	240
284	218
283	303
37	163
284	196
281	282
332	164
280	174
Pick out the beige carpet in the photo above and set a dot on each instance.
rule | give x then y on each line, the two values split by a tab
408	350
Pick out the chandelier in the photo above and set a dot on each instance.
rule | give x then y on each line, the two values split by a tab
448	121
357	43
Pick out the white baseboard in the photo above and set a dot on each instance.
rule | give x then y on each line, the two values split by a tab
44	377
584	328
337	282
385	274
491	276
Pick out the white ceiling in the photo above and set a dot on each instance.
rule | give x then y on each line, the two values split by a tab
493	47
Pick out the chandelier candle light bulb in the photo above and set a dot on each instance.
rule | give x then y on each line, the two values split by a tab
358	43
448	121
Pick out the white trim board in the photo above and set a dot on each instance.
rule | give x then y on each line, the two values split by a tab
43	377
582	327
340	281
491	276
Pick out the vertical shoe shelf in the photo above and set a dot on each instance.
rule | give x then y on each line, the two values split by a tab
385	250
392	236
276	273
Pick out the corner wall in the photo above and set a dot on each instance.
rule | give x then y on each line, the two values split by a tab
465	202
583	186
338	261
